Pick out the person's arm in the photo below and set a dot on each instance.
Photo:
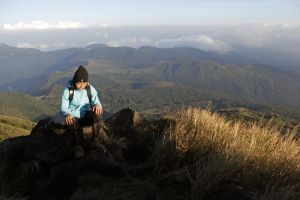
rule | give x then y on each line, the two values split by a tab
65	102
69	119
97	107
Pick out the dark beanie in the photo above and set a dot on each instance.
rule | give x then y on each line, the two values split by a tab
81	75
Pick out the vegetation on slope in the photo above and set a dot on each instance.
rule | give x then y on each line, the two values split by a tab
154	85
24	106
14	127
218	154
285	124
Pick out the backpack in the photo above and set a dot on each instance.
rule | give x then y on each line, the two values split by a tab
88	91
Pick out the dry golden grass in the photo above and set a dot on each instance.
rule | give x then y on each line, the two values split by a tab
8	131
217	151
14	127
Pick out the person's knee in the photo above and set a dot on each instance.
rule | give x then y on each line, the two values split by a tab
73	126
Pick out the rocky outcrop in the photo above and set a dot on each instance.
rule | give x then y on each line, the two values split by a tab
128	124
132	158
48	163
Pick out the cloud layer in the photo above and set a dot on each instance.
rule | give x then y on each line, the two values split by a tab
44	47
279	42
203	42
42	25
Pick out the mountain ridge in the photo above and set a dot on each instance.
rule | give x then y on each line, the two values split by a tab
150	77
45	62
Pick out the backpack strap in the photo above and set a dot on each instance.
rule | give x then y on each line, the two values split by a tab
89	93
71	91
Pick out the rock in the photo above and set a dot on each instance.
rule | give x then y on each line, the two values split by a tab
50	163
127	124
11	156
46	165
78	152
125	118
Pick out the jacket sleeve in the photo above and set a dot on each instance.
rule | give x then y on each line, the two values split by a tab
65	102
95	99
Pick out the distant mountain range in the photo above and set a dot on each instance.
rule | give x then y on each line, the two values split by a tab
24	63
148	78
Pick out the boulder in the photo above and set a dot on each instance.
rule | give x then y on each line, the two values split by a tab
128	124
46	165
50	162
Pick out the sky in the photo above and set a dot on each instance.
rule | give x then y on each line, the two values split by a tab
260	28
154	12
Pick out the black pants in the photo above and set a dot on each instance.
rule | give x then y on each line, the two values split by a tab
90	119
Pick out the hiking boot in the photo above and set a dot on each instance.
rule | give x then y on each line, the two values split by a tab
78	152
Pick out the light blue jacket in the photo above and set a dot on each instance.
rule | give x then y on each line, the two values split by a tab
80	103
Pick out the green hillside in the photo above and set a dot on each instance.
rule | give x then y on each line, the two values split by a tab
243	82
156	85
285	124
151	78
14	127
24	64
24	106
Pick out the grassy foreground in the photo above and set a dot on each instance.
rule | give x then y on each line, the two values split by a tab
14	127
207	156
216	153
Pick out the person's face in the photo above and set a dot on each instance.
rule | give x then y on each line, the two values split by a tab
81	85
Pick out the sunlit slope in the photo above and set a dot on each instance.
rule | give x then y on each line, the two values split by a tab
219	153
14	126
24	106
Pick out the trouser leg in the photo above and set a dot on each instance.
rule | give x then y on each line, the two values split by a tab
97	124
73	132
91	119
98	127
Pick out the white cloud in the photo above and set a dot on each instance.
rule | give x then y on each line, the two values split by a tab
107	26
262	35
203	42
102	35
113	44
279	41
34	46
273	44
42	25
43	47
132	42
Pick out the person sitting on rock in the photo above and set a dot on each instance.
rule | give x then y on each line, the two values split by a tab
80	104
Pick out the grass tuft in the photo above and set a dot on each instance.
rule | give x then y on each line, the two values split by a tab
218	151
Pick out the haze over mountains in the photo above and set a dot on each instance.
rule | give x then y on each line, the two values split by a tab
274	44
148	77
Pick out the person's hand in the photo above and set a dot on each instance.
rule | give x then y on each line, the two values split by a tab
69	119
97	110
